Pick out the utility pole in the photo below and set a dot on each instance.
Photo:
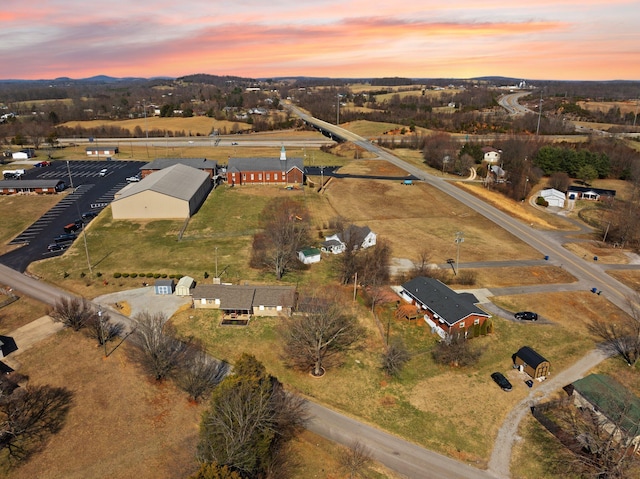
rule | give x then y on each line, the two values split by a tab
338	111
216	261
459	239
539	114
102	333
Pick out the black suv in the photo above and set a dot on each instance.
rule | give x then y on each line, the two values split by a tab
526	316
89	215
501	381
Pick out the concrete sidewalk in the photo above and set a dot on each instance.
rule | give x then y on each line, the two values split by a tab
28	335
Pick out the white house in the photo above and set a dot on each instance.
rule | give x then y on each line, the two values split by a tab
309	255
19	155
359	236
491	155
553	197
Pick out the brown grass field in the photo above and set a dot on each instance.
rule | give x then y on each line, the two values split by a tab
121	424
19	313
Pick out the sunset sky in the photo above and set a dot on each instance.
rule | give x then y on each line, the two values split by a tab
538	39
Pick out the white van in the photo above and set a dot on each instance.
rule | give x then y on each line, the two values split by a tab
103	172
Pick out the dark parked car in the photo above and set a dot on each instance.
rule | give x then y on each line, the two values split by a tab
501	381
65	238
89	215
56	247
526	316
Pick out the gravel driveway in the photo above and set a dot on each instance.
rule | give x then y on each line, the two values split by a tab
144	299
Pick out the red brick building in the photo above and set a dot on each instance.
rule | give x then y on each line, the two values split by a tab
283	170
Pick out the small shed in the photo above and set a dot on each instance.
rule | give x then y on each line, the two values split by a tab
309	255
183	288
164	286
529	361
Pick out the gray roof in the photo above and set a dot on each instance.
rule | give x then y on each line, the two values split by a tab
264	164
442	300
101	147
30	183
164	282
359	232
245	297
178	181
230	296
198	163
274	296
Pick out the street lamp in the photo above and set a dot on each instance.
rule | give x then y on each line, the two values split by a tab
216	261
102	332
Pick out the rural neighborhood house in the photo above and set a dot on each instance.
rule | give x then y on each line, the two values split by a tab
446	311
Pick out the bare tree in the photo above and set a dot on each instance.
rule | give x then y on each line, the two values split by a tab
199	373
595	447
317	336
285	231
215	471
249	420
29	415
623	336
73	312
560	181
395	357
355	459
158	351
102	329
455	350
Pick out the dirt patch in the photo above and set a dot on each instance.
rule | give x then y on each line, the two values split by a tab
590	250
520	276
628	278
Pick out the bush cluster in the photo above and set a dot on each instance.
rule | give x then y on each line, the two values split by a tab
146	275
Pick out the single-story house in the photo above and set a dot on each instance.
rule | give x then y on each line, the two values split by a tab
588	193
164	286
210	166
102	150
11	187
616	406
244	300
174	192
273	300
358	236
183	288
309	255
529	361
446	311
490	154
553	197
265	170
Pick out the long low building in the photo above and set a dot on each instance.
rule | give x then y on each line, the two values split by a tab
12	187
175	192
244	300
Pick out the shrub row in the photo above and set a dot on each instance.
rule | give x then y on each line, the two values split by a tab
147	275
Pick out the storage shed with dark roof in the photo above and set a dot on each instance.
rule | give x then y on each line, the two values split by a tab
529	361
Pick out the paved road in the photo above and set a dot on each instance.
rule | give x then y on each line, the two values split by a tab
397	454
510	103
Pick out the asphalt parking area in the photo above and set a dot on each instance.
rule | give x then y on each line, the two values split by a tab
91	192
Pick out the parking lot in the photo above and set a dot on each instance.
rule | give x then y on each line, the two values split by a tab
90	191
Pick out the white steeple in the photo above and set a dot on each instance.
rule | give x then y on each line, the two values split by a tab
283	154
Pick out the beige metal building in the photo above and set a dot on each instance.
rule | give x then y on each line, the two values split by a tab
175	192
